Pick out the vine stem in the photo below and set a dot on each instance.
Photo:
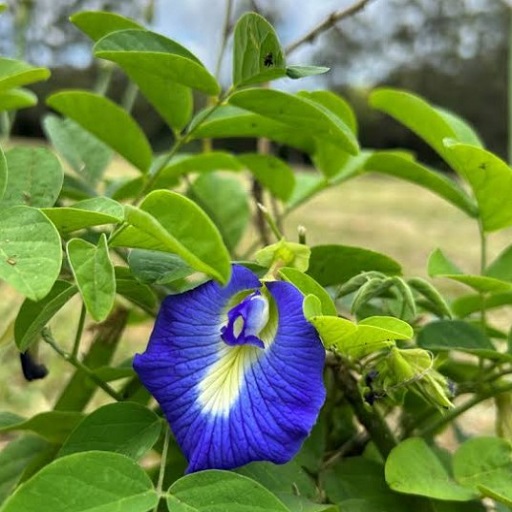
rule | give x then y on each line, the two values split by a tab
48	338
326	24
163	461
79	331
483	266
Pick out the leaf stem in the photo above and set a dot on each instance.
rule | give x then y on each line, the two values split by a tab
48	338
79	331
163	462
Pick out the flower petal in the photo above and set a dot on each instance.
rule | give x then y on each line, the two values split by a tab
230	405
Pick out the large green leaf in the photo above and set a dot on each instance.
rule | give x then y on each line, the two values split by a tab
190	163
54	426
156	267
33	316
86	154
491	181
34	177
94	274
335	264
467	304
298	112
154	54
167	221
85	214
211	491
396	164
30	251
15	99
91	481
413	468
125	427
224	199
107	121
14	73
97	24
485	464
271	172
257	56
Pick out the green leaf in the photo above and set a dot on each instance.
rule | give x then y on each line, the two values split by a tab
94	275
3	174
306	186
84	214
159	225
257	56
307	285
154	54
91	481
271	172
15	73
440	266
86	154
125	427
209	491
501	267
224	199
34	177
449	335
106	120
335	264
33	316
298	112
332	329
190	163
432	295
396	164
413	468
467	304
485	464
97	24
14	458
418	115
140	294
15	99
228	121
296	72
156	267
491	181
54	426
464	132
30	251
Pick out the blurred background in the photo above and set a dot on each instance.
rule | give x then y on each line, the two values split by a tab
450	51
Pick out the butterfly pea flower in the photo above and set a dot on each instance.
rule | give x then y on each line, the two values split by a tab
237	371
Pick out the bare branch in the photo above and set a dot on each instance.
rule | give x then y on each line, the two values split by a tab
326	24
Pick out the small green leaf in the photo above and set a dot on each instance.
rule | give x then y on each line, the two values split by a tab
154	54
220	490
33	316
127	428
156	267
271	172
99	481
97	24
464	132
15	73
106	120
54	426
501	267
94	274
413	468
86	154
224	199
158	225
296	72
332	329
191	163
15	99
335	264
311	306
307	285
84	214
396	164
257	56
491	181
35	177
298	112
434	298
485	464
30	251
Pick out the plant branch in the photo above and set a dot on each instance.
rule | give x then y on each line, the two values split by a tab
163	461
79	331
326	24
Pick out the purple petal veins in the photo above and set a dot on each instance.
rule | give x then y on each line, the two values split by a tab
236	383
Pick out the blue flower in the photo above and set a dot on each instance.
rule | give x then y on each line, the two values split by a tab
237	371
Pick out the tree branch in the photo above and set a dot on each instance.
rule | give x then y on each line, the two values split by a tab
326	24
